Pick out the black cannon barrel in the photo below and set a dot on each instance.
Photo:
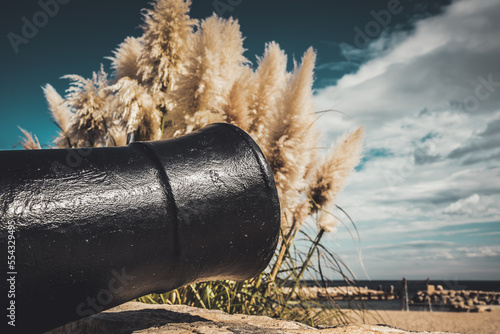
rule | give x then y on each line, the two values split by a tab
84	230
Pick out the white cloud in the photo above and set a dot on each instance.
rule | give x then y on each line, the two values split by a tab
439	63
466	205
481	252
437	163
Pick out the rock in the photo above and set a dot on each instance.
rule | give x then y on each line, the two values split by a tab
439	288
419	298
480	309
487	298
430	289
459	306
133	317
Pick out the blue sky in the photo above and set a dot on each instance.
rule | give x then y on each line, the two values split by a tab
423	77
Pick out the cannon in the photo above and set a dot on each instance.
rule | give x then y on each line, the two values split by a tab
84	230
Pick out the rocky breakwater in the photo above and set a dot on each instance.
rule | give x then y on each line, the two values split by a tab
457	300
342	293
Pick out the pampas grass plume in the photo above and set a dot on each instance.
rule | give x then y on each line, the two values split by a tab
327	222
29	142
291	138
271	80
125	58
331	176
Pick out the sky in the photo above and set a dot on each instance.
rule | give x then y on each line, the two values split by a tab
422	77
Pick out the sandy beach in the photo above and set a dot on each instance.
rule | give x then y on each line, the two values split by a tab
455	322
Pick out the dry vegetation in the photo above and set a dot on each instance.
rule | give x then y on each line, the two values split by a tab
181	75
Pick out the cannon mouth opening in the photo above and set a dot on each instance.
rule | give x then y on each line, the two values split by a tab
226	204
274	203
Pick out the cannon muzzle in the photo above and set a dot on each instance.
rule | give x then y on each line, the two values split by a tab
84	230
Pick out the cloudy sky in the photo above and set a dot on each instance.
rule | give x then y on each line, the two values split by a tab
422	77
426	198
